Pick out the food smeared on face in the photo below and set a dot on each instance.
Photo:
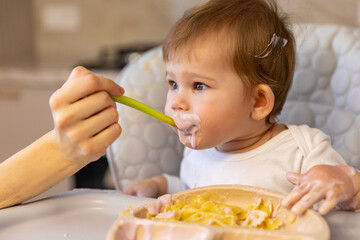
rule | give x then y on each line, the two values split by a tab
188	125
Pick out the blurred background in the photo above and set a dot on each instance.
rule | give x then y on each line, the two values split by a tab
42	40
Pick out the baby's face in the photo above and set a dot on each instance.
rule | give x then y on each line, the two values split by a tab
206	98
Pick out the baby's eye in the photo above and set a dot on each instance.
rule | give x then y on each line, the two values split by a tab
172	84
200	86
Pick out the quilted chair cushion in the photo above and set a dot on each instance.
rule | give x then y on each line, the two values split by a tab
147	146
326	90
325	94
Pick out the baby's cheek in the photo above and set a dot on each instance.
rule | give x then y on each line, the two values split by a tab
210	130
167	109
206	113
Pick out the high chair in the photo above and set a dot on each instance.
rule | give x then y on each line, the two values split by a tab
325	94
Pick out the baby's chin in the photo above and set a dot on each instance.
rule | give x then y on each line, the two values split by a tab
198	143
201	146
191	140
190	146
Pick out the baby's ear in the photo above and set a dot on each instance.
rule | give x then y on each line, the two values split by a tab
263	101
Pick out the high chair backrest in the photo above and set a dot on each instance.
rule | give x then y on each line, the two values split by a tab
325	94
326	89
147	146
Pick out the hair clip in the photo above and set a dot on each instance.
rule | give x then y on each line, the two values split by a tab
275	41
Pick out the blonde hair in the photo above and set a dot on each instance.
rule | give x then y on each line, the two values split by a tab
250	27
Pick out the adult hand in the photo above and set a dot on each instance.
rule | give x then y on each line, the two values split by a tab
85	116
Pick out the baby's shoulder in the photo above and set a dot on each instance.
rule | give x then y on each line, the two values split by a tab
306	135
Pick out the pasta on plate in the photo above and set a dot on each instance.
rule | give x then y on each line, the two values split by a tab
203	209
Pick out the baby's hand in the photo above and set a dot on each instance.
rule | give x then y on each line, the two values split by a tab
85	116
151	187
335	184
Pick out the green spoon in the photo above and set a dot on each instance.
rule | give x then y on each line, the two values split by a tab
144	108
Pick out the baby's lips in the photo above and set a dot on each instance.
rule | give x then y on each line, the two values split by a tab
186	131
185	121
183	126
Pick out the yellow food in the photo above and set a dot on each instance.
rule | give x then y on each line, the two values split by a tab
213	211
128	209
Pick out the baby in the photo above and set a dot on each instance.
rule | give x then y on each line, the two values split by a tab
229	66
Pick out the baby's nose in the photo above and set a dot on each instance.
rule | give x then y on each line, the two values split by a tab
180	102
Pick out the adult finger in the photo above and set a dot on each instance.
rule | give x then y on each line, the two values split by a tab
96	123
90	105
83	82
82	109
96	146
107	136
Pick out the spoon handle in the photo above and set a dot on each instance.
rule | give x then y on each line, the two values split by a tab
144	108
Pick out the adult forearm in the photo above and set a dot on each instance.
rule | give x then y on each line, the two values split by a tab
33	170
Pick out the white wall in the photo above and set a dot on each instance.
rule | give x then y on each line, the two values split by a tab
346	12
92	24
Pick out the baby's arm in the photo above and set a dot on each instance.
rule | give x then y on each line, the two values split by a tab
151	187
85	120
338	185
156	186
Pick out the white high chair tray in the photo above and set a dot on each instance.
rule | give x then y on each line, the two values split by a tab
88	214
78	214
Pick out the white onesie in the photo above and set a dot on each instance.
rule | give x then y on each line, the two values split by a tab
296	149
